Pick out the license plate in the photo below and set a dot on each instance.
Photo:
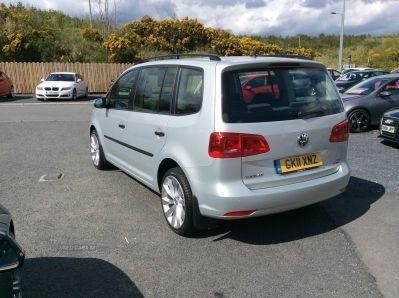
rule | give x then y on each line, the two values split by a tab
52	93
388	128
297	163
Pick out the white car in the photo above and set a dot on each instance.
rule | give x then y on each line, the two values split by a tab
62	85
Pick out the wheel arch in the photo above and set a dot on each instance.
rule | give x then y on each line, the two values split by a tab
165	165
12	229
359	108
92	128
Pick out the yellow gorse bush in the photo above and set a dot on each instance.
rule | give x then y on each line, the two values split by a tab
182	36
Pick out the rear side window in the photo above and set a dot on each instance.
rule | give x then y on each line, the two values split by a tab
285	94
189	93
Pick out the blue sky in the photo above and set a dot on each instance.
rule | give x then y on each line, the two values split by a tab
278	17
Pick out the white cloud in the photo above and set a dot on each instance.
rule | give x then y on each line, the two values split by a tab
278	17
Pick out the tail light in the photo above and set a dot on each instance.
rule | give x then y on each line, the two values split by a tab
340	132
229	145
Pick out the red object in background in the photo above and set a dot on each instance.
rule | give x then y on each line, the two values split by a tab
6	86
257	84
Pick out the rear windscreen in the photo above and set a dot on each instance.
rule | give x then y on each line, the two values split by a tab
278	94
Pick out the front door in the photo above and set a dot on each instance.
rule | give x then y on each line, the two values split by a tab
387	102
115	118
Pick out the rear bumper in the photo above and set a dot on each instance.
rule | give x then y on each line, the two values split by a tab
218	199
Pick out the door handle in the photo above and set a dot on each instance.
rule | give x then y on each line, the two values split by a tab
159	133
121	126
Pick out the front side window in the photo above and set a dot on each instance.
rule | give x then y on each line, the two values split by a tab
367	86
286	94
190	90
392	87
121	91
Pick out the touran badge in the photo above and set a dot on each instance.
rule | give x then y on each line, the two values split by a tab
303	139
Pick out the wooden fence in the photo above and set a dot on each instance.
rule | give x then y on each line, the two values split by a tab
26	75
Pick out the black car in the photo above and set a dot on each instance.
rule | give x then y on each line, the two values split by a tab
346	81
389	128
335	74
11	257
366	102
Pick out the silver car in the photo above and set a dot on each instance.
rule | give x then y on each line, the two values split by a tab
225	137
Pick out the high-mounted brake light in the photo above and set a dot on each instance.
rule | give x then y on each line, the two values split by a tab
230	145
340	132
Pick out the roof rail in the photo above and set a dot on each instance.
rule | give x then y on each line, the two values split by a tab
179	56
283	56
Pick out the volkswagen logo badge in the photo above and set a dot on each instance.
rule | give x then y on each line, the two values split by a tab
388	121
303	139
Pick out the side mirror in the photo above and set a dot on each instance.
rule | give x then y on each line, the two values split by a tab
11	254
385	93
247	87
42	80
78	80
100	103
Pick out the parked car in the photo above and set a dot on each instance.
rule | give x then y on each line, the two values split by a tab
366	102
184	128
346	81
356	69
255	86
389	128
335	74
6	86
395	70
62	85
11	257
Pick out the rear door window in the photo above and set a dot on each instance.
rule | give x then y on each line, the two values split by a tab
285	94
149	89
155	89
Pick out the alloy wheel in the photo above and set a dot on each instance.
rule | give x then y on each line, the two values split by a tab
359	121
173	202
94	149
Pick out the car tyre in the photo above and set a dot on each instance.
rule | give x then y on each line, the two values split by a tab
359	120
97	153
74	94
176	201
12	94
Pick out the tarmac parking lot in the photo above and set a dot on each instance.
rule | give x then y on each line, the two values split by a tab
102	234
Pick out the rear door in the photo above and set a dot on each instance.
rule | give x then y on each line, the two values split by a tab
147	126
296	123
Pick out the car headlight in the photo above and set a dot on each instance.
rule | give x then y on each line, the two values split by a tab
66	88
39	88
